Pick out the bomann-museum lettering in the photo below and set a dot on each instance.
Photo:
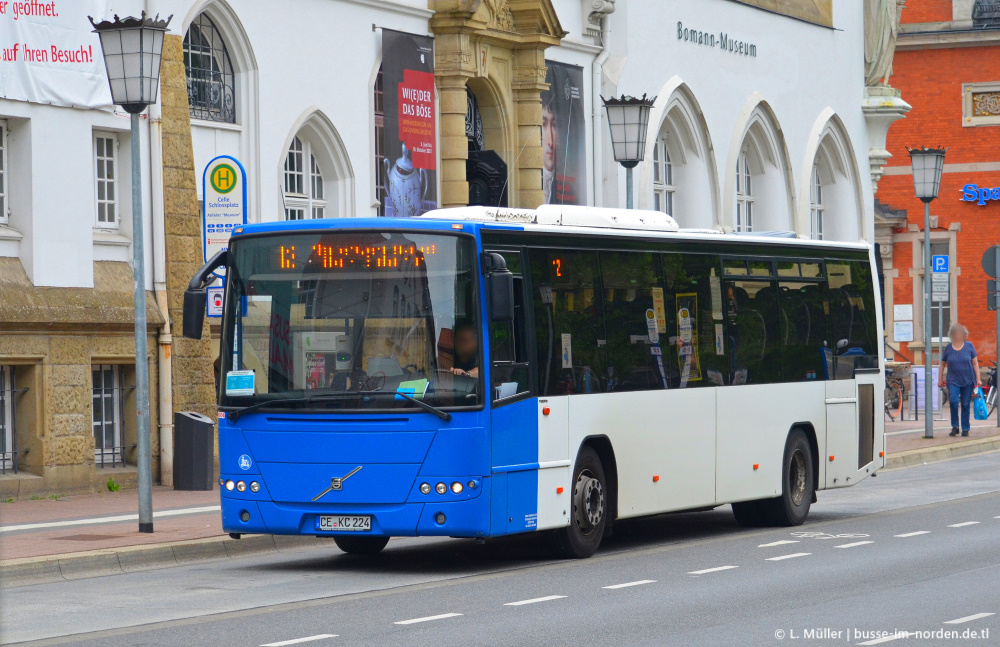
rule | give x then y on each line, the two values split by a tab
722	41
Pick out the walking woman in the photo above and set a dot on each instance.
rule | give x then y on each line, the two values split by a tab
961	366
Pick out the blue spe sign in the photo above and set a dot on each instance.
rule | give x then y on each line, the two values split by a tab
972	193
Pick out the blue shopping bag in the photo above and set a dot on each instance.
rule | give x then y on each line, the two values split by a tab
979	405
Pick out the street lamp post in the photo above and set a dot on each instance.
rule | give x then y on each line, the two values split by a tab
628	118
927	163
132	49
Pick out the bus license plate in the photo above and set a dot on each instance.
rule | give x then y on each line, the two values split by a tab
344	524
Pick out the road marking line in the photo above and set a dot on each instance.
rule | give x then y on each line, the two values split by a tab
115	519
977	616
885	639
427	619
857	543
963	524
712	570
779	543
298	641
628	584
914	534
781	557
534	600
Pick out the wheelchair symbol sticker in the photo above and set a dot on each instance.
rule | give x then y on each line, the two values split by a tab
245	462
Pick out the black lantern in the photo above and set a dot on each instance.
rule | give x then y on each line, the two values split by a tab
628	119
132	48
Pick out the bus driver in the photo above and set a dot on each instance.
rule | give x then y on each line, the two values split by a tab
466	350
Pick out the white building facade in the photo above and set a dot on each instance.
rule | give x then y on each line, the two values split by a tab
758	125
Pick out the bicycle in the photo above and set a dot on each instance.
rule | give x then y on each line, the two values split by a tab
990	387
894	391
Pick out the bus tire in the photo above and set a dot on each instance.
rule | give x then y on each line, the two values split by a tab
798	483
581	538
359	545
750	514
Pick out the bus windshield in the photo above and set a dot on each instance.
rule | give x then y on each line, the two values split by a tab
342	311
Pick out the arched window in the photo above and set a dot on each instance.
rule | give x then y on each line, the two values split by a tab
210	79
744	194
663	178
304	190
816	207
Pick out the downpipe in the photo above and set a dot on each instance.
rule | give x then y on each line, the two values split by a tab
597	106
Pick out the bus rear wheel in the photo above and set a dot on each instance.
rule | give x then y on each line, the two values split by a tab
356	545
581	538
798	483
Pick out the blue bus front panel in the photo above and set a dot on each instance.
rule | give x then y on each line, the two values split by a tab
307	467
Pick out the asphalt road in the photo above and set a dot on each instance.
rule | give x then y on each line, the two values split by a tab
914	550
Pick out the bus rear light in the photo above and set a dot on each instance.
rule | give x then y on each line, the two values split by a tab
440	488
425	488
457	487
230	485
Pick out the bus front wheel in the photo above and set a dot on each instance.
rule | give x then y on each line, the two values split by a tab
582	536
359	545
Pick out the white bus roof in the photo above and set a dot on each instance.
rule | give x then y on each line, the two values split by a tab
576	219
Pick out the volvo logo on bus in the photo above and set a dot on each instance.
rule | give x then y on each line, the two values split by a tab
337	484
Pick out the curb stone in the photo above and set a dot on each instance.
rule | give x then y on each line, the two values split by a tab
938	453
129	559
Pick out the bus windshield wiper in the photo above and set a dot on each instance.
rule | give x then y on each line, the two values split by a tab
235	415
444	415
338	395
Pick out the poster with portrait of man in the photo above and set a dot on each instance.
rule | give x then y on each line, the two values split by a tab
564	144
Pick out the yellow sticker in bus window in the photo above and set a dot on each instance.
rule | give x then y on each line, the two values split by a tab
659	310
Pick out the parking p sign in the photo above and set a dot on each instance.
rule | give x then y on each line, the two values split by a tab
939	263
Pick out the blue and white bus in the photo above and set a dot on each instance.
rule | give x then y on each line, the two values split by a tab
483	372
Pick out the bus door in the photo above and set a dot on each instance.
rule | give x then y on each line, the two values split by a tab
521	450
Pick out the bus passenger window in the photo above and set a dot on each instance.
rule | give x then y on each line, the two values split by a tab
569	322
755	344
633	288
695	349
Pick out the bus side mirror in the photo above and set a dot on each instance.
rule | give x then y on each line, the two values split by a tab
193	318
499	289
194	313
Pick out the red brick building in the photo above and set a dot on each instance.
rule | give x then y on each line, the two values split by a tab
947	66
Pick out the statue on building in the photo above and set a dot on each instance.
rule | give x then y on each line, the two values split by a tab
881	29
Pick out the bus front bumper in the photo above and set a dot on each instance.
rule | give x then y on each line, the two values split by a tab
462	517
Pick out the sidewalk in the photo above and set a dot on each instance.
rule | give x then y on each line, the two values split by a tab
82	536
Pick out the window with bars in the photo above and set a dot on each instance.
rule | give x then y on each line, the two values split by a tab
108	413
8	440
305	193
4	196
816	206
379	142
106	179
744	194
663	178
210	79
